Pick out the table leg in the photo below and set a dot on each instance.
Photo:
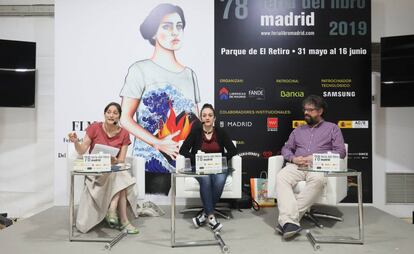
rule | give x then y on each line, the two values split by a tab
224	248
72	224
312	240
71	206
173	193
360	209
345	239
218	240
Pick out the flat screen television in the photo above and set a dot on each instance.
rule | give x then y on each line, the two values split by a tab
397	71
17	73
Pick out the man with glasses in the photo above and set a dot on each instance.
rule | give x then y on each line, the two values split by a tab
317	136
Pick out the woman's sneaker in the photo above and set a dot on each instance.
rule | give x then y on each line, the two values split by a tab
214	224
200	220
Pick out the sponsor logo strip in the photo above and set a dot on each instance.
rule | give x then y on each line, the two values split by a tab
351	124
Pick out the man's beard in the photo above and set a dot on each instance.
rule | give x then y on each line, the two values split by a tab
310	120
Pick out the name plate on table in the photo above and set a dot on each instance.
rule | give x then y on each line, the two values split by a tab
326	162
208	163
93	163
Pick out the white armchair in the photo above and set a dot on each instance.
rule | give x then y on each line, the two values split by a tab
188	187
137	171
334	191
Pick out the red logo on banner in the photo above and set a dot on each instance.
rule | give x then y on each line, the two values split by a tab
272	123
224	93
267	154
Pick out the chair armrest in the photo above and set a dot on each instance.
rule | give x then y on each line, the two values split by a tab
236	163
138	171
335	190
275	164
179	162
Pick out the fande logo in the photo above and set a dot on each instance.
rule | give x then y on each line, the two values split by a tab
258	93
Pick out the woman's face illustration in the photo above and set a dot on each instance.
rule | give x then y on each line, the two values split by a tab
170	32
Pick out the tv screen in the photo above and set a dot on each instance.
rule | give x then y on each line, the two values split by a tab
397	75
17	73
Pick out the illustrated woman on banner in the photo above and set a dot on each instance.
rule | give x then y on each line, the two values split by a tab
163	94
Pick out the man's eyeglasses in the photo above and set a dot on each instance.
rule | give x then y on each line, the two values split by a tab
309	109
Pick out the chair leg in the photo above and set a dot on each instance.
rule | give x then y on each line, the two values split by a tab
327	216
220	211
312	218
192	209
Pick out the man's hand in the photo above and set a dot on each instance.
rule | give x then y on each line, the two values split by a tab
303	161
300	161
308	160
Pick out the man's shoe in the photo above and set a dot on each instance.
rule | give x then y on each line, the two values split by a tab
200	220
290	230
279	229
214	224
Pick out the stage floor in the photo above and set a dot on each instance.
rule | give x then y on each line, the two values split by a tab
248	232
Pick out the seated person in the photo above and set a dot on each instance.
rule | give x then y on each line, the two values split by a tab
106	196
318	136
209	139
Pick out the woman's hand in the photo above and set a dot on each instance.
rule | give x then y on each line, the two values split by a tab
73	137
168	146
114	160
81	148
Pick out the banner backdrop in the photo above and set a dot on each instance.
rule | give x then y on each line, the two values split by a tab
255	59
271	54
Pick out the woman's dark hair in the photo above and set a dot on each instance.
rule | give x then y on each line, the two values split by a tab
316	101
151	23
207	105
118	107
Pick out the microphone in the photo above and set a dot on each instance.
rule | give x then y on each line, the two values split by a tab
115	122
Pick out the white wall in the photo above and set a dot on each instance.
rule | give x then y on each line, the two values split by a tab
26	134
393	138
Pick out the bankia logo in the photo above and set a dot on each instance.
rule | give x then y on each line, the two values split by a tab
272	123
292	94
224	94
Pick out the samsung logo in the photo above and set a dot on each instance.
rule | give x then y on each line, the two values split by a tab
339	94
292	94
